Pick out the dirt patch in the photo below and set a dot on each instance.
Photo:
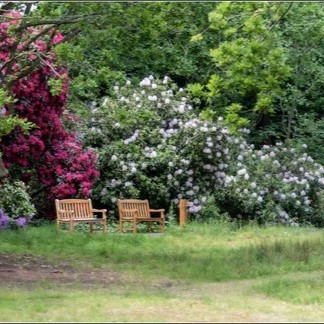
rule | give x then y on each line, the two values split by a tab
28	269
228	302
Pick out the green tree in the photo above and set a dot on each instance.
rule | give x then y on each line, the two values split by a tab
131	40
300	111
250	64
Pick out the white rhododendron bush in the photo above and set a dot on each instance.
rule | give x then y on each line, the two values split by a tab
153	144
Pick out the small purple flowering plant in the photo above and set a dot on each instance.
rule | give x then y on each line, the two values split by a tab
16	209
8	223
4	219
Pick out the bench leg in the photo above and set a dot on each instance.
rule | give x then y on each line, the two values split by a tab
104	226
71	225
91	227
122	226
133	227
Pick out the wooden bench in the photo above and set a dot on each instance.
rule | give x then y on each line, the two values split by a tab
72	211
135	211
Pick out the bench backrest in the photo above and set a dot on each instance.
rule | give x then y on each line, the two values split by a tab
82	208
142	207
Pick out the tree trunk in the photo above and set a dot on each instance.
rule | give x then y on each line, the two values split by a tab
3	170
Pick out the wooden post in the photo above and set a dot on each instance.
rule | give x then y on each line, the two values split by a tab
182	212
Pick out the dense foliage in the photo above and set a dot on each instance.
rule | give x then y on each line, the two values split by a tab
301	117
153	144
267	70
132	39
239	128
257	64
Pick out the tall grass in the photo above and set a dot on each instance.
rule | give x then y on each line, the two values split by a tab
297	291
198	252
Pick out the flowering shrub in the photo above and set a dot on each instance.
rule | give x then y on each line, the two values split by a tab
16	207
152	144
276	181
49	152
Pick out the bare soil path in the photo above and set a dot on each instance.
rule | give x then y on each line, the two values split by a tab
27	269
226	302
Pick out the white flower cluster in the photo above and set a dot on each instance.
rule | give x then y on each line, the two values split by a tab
260	177
184	156
149	152
132	138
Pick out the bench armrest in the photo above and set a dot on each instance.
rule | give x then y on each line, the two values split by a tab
161	211
103	211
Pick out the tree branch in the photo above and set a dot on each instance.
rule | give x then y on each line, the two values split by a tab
23	73
6	7
34	21
277	21
28	8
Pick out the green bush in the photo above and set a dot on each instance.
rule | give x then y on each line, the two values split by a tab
15	204
212	212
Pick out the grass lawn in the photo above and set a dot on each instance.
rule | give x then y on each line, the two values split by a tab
203	272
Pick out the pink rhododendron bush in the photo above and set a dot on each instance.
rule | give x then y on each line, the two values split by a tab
154	145
50	158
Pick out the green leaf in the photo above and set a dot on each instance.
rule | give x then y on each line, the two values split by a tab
196	38
55	86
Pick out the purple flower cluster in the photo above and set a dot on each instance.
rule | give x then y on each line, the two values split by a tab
4	219
21	221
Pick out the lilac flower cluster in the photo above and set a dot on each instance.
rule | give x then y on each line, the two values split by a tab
155	145
6	222
4	219
289	179
21	221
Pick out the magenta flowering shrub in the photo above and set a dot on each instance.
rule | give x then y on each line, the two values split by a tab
68	170
49	155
